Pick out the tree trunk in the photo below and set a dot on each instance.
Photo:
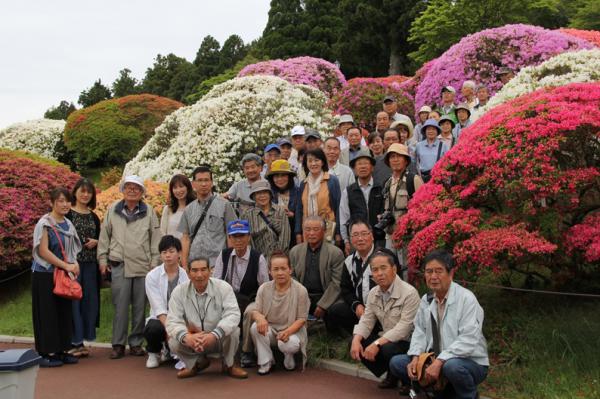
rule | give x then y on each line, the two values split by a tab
395	61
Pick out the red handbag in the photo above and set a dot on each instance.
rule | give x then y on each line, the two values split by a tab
65	284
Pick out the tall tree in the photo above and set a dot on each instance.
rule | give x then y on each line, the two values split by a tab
159	77
61	111
208	58
587	15
94	94
125	84
233	50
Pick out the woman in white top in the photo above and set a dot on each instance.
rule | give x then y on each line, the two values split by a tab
181	193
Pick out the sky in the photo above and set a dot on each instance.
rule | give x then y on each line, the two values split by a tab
52	50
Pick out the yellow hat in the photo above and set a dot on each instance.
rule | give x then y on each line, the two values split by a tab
280	166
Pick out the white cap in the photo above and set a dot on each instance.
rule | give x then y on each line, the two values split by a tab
135	179
345	119
297	131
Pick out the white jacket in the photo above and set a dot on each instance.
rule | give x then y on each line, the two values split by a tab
157	284
462	323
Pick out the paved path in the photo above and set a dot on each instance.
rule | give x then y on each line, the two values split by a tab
98	377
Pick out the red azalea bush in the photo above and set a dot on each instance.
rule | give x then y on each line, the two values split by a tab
520	192
363	99
592	36
24	186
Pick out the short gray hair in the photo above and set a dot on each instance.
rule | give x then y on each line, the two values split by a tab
469	83
314	218
250	157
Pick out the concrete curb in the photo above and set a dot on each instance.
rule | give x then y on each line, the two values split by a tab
9	339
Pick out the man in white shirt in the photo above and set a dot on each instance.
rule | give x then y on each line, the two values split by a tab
342	172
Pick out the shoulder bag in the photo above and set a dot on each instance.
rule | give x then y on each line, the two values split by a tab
65	284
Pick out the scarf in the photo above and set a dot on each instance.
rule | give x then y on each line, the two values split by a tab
314	185
71	243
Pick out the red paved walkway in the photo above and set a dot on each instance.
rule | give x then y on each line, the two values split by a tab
98	377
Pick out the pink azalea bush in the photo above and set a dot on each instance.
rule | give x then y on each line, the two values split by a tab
24	185
592	36
363	99
521	190
480	56
310	71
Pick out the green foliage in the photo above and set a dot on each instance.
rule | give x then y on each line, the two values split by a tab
61	111
444	22
112	132
207	58
98	92
206	85
169	77
125	84
233	51
587	15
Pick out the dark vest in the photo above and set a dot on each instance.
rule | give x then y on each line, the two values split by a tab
358	206
249	284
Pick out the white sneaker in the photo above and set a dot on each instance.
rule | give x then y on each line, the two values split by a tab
265	368
153	360
288	362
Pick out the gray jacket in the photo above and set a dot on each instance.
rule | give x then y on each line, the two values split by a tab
461	327
222	312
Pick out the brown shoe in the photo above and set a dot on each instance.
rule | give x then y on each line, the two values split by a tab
117	352
236	372
200	365
136	351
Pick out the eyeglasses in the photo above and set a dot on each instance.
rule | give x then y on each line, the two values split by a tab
132	187
363	234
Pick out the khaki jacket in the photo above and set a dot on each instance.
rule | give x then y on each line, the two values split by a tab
135	244
396	316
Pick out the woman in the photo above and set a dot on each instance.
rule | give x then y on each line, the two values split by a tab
319	196
270	228
51	314
87	225
404	129
181	193
284	189
375	142
280	316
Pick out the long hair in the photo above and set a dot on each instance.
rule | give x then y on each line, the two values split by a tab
89	187
189	197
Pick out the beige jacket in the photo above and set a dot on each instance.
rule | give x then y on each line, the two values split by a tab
135	244
396	316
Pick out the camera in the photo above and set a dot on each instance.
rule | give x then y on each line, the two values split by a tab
386	220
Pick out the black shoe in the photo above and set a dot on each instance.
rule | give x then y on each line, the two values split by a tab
247	360
50	361
117	352
388	382
68	359
137	351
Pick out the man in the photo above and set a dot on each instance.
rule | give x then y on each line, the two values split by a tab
463	114
345	123
203	318
203	223
449	323
390	106
382	122
468	92
397	192
128	249
297	136
285	145
382	172
446	135
423	116
447	105
271	153
240	190
355	140
356	278
505	75
332	151
312	139
245	270
363	199
318	266
483	95
429	151
160	283
280	316
392	304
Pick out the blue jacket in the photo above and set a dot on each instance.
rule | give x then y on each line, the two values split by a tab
335	194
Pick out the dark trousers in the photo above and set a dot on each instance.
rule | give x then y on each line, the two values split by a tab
385	354
155	335
85	311
51	315
340	316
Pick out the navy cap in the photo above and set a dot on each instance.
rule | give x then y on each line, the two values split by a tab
272	147
238	227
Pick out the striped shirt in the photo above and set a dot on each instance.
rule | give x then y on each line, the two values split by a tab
263	238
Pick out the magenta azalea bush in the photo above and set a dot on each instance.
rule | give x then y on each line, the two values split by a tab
520	193
479	56
310	71
363	98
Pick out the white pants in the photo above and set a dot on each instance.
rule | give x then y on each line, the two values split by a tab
227	348
263	344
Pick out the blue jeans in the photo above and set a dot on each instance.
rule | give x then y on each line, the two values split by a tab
463	376
85	311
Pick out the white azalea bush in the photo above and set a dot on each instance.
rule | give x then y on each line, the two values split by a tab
236	117
39	136
571	67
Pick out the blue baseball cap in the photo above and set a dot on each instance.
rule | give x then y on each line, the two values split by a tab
239	226
272	147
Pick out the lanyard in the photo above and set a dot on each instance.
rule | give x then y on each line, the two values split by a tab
202	315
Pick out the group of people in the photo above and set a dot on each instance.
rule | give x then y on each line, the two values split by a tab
304	237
